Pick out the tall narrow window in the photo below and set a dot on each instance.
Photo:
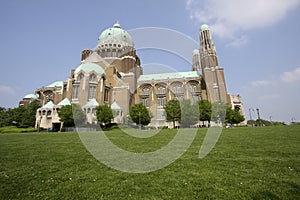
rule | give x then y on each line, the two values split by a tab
80	77
145	102
92	92
114	53
106	92
108	53
75	91
161	101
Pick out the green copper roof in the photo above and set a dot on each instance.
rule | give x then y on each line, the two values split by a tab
89	67
115	106
64	102
56	84
49	105
175	75
195	51
115	33
30	96
204	27
92	103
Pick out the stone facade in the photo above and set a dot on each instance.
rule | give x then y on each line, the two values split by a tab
112	74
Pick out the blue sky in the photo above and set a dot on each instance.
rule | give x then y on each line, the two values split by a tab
257	43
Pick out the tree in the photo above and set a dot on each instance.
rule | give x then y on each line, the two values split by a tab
140	114
28	118
20	116
233	116
104	114
204	110
189	113
218	112
72	115
3	116
173	111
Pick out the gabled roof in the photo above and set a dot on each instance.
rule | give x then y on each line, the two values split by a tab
115	106
92	103
64	102
89	67
30	96
175	75
49	105
56	84
94	57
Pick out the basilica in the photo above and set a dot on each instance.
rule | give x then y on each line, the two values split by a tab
112	74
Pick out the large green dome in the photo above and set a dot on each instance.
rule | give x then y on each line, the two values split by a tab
115	34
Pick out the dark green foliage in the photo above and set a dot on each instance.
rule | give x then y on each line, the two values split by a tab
139	114
204	110
72	115
233	116
251	122
20	116
189	114
104	114
173	111
30	114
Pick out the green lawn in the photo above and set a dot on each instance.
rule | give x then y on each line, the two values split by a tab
246	163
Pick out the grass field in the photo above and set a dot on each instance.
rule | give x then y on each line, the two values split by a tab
246	163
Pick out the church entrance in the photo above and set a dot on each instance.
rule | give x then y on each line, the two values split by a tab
56	126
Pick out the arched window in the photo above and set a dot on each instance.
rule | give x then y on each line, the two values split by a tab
93	77
161	90
193	88
177	89
145	91
48	112
80	76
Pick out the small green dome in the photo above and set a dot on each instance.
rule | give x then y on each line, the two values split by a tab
115	33
30	96
204	27
89	67
195	51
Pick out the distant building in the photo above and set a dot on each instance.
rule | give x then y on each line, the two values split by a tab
112	74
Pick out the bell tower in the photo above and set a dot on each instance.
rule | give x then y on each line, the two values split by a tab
212	73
